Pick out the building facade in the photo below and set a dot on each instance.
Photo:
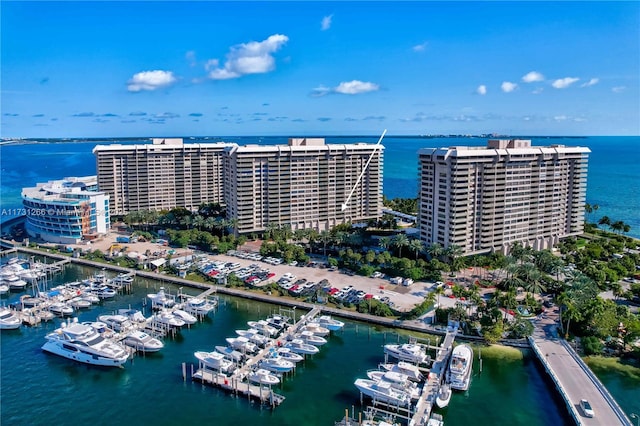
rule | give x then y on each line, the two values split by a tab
303	184
66	211
162	175
485	199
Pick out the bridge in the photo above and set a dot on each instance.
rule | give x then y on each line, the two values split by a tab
573	378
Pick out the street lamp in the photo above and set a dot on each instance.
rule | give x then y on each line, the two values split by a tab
635	416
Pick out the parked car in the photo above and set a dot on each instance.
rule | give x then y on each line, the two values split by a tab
586	408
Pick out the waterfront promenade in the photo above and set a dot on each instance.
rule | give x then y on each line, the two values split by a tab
572	377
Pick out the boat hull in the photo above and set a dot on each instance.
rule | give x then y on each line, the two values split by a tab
56	349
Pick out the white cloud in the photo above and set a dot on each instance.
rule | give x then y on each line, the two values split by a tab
354	87
481	90
563	83
560	117
508	87
150	80
419	47
591	82
532	77
538	91
254	57
326	23
320	91
618	89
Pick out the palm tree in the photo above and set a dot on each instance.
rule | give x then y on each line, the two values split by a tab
604	220
435	250
452	252
416	246
399	241
588	209
325	238
198	221
617	226
384	243
626	228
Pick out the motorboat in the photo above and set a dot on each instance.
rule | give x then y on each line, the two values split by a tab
161	299
198	306
331	323
263	327
89	297
82	343
116	322
230	353
8	319
28	301
289	355
412	371
4	289
167	319
103	292
397	380
410	352
300	347
60	309
460	366
435	419
184	316
215	361
316	329
79	303
133	315
120	281
278	322
444	396
15	283
242	344
142	342
274	362
312	339
383	391
102	328
263	377
254	337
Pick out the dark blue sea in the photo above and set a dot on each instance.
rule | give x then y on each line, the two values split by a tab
613	180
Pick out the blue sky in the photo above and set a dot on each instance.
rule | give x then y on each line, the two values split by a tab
109	69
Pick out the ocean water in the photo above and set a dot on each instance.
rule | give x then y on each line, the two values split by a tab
43	389
613	180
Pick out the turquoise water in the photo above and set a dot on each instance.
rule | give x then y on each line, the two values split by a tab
613	181
42	389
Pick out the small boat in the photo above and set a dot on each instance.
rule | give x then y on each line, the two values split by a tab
397	380
312	339
263	377
289	355
198	306
444	396
383	391
230	353
161	299
460	366
142	342
79	303
263	327
185	316
215	361
242	344
82	343
90	297
4	289
278	322
60	309
435	419
166	318
412	371
316	329
8	319
254	337
15	283
277	364
117	323
28	301
406	352
300	347
103	292
133	315
330	323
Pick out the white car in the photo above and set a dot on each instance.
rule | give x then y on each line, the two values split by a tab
586	408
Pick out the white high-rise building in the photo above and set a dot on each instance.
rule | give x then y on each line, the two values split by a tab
484	199
303	184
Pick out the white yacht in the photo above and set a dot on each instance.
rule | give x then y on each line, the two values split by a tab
162	299
331	323
198	306
60	308
184	316
444	396
230	353
254	337
215	361
263	327
263	377
412	371
142	342
4	288
410	352
15	283
242	344
312	339
167	319
82	343
116	322
316	329
289	355
383	391
460	366
396	380
8	319
300	347
278	322
276	363
79	303
134	315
